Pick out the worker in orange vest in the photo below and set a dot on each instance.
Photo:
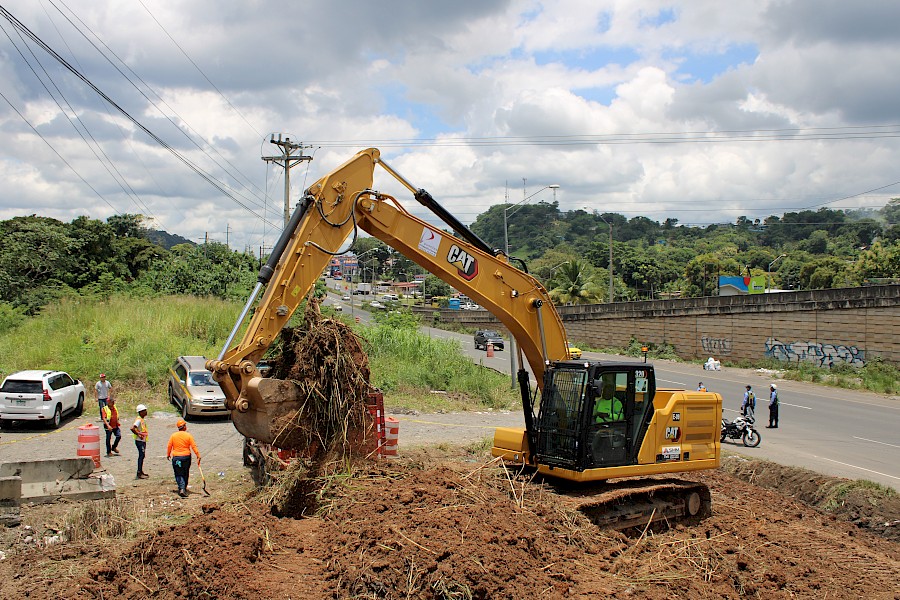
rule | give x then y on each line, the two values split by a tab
179	451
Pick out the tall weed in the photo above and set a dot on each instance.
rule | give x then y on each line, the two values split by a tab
403	358
131	340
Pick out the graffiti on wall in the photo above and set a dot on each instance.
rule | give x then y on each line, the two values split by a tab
823	355
714	346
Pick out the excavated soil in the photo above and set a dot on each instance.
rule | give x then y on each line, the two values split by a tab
454	527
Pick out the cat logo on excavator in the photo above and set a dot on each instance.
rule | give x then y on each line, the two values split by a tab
465	263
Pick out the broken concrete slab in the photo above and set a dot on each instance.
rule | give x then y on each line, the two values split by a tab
51	479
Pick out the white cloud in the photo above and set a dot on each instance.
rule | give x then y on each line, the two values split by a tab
357	74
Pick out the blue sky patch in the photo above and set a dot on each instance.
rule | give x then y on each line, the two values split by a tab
663	17
707	66
422	116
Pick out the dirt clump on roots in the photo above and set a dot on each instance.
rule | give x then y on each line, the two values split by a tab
440	524
325	360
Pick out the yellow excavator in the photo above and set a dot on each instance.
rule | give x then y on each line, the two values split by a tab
588	421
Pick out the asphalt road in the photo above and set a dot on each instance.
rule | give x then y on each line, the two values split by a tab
845	433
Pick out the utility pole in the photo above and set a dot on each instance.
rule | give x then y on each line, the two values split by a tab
287	160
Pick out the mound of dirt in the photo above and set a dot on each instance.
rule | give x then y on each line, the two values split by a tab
222	553
866	505
446	527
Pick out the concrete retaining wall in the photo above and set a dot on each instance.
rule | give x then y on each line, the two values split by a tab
825	327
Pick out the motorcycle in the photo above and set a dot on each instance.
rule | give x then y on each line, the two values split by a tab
741	429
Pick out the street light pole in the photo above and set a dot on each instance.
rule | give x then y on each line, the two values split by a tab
506	213
769	272
513	351
609	227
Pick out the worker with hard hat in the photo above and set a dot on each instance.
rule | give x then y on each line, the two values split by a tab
139	430
179	451
773	407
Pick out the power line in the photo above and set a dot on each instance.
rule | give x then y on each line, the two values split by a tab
94	147
184	160
199	70
247	180
693	137
65	162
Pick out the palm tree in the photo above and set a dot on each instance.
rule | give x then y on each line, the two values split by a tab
574	283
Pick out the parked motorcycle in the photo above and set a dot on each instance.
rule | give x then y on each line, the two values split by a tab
741	429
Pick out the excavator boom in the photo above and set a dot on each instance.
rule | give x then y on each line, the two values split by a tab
330	212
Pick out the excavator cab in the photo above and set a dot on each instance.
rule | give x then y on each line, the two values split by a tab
593	415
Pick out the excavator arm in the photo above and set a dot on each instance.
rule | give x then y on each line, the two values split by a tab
330	212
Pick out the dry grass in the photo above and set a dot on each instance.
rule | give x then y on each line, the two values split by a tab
116	518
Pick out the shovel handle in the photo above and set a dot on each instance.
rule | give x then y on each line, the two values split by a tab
199	468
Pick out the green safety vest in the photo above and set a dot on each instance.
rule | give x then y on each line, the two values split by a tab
607	410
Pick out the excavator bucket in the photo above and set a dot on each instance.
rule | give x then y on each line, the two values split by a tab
276	408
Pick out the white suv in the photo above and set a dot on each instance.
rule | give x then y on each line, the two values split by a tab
40	396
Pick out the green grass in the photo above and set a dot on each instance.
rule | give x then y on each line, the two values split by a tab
876	376
410	366
134	341
875	493
130	340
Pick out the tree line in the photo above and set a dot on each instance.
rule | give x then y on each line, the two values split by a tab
42	259
569	251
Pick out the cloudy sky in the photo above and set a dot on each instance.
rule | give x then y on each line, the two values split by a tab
698	110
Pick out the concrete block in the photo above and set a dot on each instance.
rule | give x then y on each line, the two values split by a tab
10	501
48	469
49	480
94	487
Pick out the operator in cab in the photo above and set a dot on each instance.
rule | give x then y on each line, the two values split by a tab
608	408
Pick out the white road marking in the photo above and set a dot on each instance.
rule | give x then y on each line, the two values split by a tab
876	442
796	406
670	381
860	468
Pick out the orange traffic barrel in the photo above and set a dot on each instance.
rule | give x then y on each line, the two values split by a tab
490	350
391	436
89	442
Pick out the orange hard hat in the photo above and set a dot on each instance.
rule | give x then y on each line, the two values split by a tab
180	423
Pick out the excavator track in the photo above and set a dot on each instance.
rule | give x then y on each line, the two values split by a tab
626	503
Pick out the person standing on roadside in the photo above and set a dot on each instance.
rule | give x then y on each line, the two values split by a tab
773	407
139	429
103	389
179	451
748	406
110	415
701	387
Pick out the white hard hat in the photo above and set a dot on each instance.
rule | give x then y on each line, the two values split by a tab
140	407
774	387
